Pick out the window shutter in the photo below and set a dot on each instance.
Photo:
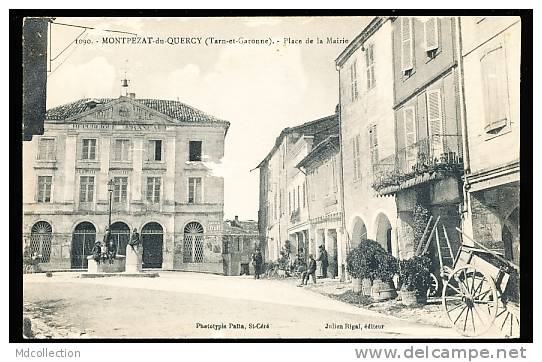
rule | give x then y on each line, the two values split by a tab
373	140
495	85
91	189
406	48
434	117
358	164
409	119
430	30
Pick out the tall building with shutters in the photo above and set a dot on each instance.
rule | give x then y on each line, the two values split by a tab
150	160
284	214
491	63
367	136
425	170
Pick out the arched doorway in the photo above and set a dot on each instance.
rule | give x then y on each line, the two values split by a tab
152	239
41	235
510	236
193	243
120	234
83	238
383	232
359	232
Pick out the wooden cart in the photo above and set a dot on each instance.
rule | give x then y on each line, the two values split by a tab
480	291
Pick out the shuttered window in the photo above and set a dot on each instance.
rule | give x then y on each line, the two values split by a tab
155	150
409	122
373	144
353	81
370	65
46	149
495	89
289	202
45	184
86	189
430	31
88	151
434	119
356	158
304	195
407	48
334	173
195	190
120	190
121	150
153	189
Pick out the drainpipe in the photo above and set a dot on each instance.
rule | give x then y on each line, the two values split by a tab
345	236
462	113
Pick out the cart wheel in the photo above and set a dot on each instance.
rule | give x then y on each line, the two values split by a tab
433	287
507	319
469	298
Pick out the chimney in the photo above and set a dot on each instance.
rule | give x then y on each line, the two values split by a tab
236	218
131	95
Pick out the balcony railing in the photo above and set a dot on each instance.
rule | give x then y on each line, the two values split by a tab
436	153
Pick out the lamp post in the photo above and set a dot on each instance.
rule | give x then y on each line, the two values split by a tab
110	188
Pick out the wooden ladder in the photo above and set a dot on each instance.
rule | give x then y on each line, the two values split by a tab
445	252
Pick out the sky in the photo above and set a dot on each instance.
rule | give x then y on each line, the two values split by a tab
260	89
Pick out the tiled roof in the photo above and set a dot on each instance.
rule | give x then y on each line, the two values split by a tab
319	129
329	142
173	109
245	227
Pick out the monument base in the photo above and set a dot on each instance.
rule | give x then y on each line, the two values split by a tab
104	266
134	259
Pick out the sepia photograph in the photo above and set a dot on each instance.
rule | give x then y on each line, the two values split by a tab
272	177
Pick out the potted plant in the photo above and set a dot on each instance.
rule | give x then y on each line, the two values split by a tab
360	264
386	268
415	278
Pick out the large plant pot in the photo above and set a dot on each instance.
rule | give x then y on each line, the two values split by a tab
408	297
383	291
356	285
366	285
413	297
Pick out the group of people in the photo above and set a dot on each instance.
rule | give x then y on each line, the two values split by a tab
107	249
309	270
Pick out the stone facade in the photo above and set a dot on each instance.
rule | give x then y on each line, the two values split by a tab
322	167
429	153
367	135
491	62
284	199
143	145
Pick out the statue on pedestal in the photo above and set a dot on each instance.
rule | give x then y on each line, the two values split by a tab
134	240
133	254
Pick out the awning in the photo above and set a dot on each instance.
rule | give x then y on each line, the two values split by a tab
416	180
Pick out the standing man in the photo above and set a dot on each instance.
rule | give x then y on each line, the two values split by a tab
257	260
311	271
323	258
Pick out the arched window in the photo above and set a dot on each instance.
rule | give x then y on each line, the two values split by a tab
193	243
40	240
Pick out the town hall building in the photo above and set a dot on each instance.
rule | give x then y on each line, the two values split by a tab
130	163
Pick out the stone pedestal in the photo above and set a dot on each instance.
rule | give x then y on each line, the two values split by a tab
134	259
117	266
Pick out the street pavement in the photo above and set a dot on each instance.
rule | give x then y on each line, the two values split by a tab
193	305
